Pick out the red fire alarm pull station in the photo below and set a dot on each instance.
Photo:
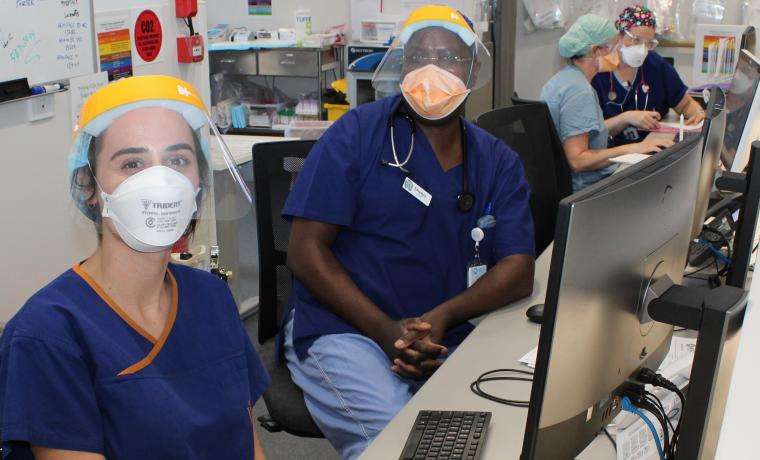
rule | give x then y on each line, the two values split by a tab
189	48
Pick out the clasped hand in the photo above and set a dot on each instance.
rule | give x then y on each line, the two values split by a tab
413	346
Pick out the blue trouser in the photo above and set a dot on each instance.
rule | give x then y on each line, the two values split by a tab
348	388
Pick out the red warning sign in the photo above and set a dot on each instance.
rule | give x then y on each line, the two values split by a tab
148	35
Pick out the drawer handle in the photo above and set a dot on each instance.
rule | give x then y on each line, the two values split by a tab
227	61
287	62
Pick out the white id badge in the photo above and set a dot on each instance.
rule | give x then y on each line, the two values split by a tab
416	191
474	273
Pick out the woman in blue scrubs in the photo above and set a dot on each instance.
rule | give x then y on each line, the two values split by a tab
644	87
574	105
127	356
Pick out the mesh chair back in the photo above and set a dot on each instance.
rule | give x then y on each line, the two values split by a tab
275	168
529	131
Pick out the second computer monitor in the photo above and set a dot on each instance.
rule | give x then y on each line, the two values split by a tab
742	113
615	242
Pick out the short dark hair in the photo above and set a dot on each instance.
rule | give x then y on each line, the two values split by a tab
83	187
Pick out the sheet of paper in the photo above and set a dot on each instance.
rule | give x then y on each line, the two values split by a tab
675	127
636	441
630	158
362	9
680	347
530	358
80	88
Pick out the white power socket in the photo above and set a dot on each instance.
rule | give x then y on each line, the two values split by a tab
41	107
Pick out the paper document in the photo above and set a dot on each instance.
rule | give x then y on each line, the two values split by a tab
636	441
680	347
530	358
630	158
675	127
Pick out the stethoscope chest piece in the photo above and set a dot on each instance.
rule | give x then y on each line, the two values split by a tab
612	96
465	202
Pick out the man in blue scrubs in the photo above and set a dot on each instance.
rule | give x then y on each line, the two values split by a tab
381	238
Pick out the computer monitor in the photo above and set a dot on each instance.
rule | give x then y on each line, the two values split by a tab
742	113
712	135
613	241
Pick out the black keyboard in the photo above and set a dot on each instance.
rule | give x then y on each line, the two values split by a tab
446	435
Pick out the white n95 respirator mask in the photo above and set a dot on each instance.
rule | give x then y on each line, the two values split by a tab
634	56
151	209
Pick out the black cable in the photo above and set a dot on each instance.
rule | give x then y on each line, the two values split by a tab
655	400
484	377
653	378
189	23
609	436
692	273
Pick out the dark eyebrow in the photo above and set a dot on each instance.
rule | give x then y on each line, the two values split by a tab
180	146
129	151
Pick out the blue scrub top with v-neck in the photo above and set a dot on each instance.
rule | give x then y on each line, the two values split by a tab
405	256
77	374
665	91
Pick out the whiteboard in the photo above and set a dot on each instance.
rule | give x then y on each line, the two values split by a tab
45	40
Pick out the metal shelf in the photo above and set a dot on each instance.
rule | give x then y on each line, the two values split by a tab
254	131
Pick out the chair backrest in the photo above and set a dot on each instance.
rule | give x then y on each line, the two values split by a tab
517	100
529	131
275	168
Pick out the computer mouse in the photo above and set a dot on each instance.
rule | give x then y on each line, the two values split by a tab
536	313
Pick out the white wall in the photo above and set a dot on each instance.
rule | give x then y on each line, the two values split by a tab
324	14
738	436
42	233
537	59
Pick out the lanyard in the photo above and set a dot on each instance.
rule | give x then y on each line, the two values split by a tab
612	95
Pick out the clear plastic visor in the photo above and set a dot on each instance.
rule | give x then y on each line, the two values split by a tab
439	46
146	136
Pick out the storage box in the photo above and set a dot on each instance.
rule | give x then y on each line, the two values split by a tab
307	129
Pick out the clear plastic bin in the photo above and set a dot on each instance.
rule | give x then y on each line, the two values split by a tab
307	129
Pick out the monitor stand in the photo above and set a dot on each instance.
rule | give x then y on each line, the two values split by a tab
717	315
748	185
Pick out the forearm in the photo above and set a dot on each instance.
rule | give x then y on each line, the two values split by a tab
316	267
45	453
258	451
617	124
509	280
591	160
688	107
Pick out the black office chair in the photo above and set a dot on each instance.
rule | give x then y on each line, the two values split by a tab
528	129
275	167
517	100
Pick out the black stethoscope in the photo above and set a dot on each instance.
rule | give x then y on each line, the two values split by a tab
465	200
612	95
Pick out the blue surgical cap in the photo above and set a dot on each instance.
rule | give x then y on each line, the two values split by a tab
589	30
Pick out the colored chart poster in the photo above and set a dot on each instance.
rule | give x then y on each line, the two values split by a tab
716	53
114	46
260	7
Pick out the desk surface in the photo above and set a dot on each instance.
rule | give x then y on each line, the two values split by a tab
498	341
240	147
